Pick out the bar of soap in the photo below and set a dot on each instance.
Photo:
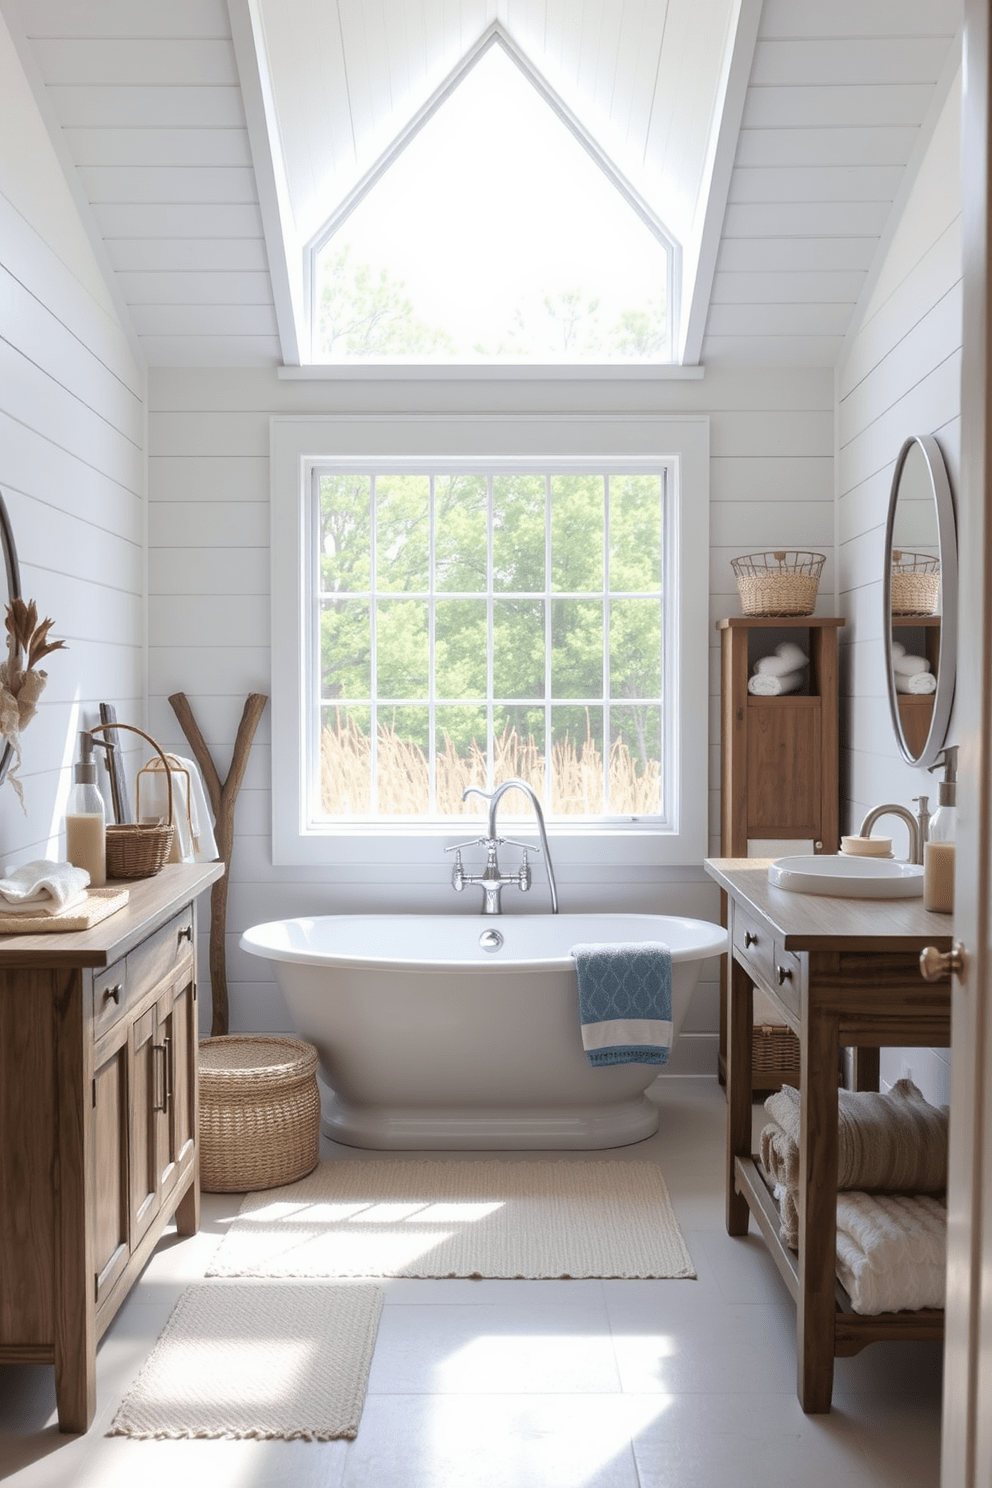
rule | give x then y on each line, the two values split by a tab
866	847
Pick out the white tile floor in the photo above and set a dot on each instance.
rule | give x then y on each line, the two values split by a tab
538	1384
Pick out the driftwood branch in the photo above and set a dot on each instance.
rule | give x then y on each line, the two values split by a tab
223	795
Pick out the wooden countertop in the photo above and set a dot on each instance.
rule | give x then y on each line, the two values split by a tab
818	922
153	900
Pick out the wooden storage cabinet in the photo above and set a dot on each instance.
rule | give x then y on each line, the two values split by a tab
98	1109
779	762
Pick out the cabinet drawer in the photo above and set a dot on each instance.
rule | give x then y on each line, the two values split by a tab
754	945
161	955
787	977
109	996
123	984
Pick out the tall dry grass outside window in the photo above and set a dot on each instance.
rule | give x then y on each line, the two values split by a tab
472	628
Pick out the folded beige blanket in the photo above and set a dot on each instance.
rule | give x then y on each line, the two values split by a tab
892	1143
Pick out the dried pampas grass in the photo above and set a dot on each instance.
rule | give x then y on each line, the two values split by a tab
21	682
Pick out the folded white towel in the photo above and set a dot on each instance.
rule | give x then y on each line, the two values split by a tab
761	685
41	887
787	657
908	666
194	840
891	1251
918	683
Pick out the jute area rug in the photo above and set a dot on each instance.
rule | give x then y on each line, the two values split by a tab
257	1360
474	1219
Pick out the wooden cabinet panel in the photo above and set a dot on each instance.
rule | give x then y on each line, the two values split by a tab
98	1092
783	768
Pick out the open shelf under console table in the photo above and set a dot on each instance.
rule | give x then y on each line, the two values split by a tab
98	1113
843	973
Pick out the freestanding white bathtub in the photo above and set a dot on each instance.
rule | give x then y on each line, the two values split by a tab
427	1039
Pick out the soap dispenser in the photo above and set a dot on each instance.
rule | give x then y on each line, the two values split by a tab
85	819
938	851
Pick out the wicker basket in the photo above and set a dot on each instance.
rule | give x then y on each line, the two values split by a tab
138	849
259	1112
774	1056
915	583
780	583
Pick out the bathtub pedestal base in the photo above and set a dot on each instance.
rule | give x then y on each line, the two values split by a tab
457	1128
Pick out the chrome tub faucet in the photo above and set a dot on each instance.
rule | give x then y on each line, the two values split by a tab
492	880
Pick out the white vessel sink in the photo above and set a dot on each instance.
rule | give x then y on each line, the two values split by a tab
847	877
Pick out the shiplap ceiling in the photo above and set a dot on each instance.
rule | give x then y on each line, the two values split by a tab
150	102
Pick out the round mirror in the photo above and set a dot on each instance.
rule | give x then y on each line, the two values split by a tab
920	600
11	577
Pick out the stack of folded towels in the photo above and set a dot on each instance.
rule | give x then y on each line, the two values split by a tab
891	1177
42	887
912	673
783	671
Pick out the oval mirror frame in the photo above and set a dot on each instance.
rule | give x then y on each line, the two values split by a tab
12	577
948	553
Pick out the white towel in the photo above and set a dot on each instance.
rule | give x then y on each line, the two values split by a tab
761	685
787	657
916	683
908	666
42	887
891	1251
194	840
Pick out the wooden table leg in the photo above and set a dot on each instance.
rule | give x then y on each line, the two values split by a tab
740	1016
188	1209
866	1068
816	1311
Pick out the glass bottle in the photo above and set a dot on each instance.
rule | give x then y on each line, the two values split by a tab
85	818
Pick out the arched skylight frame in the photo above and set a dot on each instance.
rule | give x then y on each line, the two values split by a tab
495	35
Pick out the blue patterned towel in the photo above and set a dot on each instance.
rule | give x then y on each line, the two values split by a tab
625	1002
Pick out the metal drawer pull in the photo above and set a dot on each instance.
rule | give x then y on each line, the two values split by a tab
784	975
935	965
750	939
114	992
163	1104
186	933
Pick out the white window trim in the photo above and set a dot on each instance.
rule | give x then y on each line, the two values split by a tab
299	442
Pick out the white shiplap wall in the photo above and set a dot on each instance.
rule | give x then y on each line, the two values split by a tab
72	465
771	480
900	376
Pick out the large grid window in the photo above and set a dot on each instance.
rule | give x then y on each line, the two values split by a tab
471	625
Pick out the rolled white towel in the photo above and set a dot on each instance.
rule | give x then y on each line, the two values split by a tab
919	682
787	657
762	686
41	887
897	649
909	666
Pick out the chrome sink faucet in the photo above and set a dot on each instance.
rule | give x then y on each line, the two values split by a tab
492	881
919	825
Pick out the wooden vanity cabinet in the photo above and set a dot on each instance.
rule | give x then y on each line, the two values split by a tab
98	1112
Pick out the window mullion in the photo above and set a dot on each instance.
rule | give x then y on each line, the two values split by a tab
373	647
606	644
431	657
548	747
490	638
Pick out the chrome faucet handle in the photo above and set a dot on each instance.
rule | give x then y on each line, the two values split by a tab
457	846
525	846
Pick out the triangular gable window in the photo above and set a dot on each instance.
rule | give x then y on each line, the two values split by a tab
493	231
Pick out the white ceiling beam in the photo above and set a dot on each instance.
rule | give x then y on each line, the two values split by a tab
699	258
278	222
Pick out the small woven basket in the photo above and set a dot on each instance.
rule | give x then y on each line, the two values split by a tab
138	849
259	1112
915	583
780	583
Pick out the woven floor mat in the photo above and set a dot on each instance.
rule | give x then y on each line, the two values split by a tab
253	1360
439	1219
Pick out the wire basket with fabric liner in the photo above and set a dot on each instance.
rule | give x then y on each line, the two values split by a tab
784	582
138	849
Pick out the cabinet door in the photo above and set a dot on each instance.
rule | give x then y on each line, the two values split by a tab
110	1209
184	1056
783	768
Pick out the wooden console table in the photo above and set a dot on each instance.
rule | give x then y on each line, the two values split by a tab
98	1116
842	973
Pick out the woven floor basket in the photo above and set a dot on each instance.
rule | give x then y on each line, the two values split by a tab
781	583
259	1112
915	584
